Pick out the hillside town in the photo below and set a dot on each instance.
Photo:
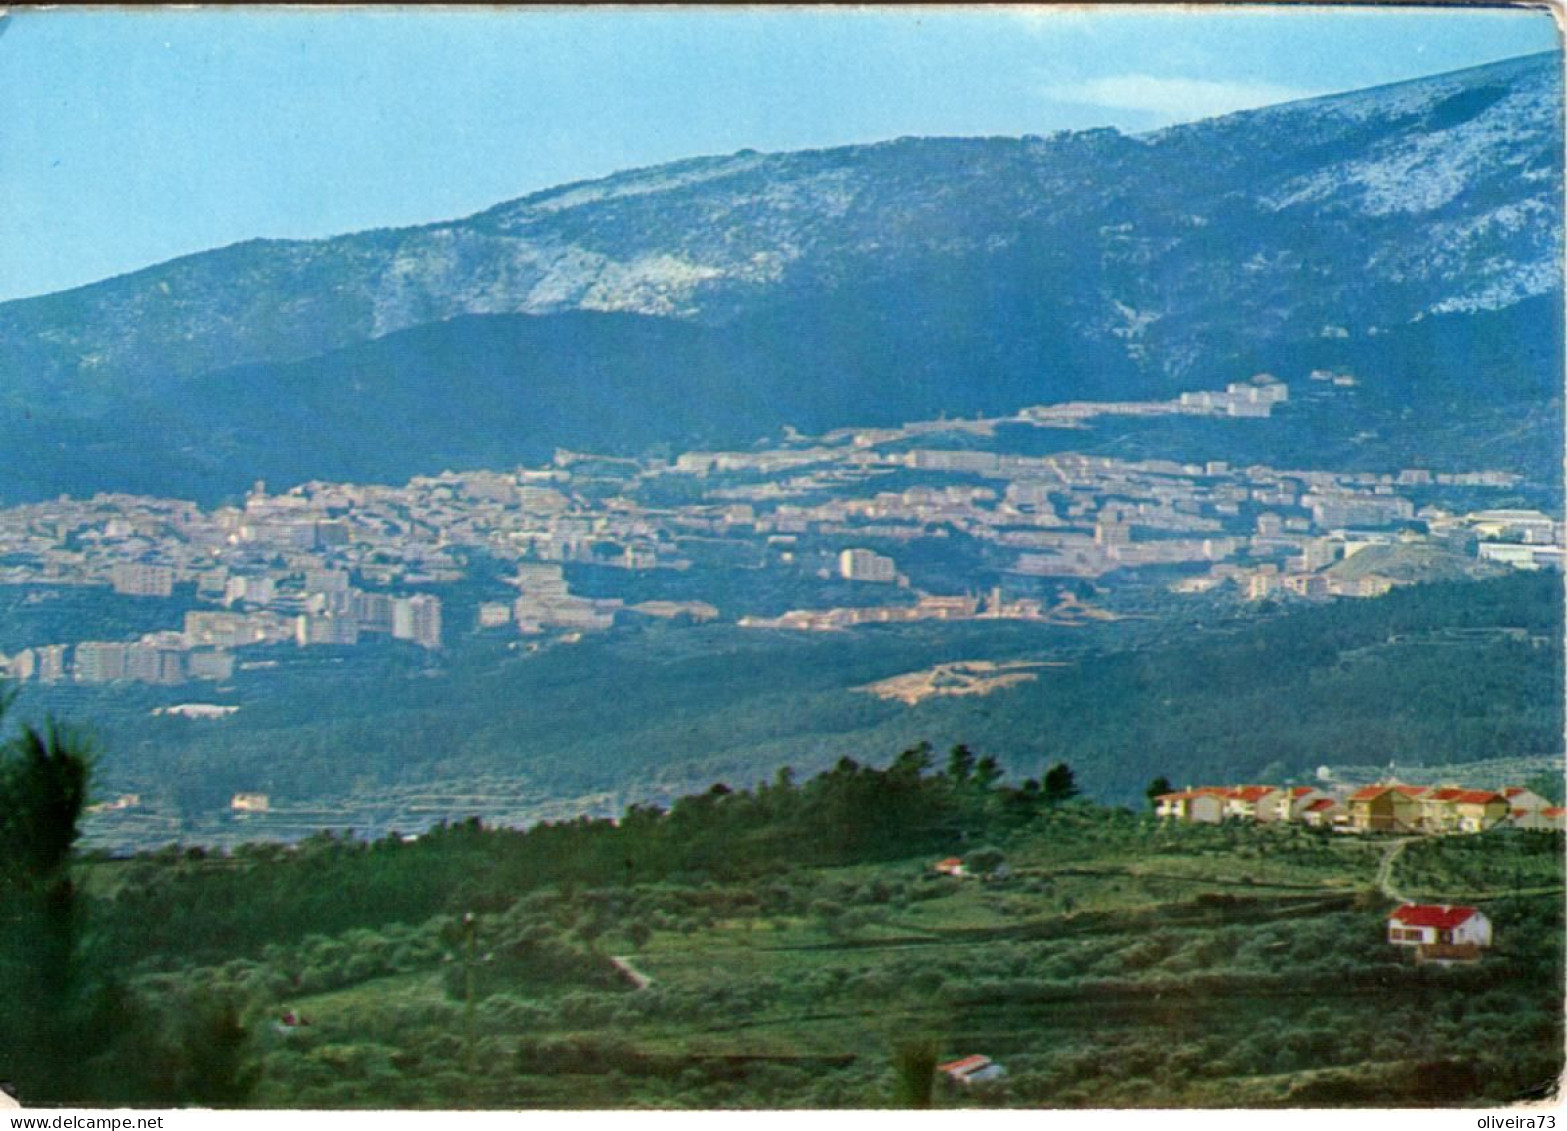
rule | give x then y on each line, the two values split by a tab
1443	934
1385	807
334	564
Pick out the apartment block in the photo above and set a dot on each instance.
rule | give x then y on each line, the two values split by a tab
866	565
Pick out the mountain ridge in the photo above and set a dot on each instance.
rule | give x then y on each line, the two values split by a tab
1077	264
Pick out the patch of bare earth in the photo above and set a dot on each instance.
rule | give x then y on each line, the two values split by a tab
965	677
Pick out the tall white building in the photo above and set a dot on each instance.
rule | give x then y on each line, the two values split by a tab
100	662
141	580
417	618
866	565
51	663
319	629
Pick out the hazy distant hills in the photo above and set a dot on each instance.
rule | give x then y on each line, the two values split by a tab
1410	232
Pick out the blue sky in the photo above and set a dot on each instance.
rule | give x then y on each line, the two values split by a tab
131	136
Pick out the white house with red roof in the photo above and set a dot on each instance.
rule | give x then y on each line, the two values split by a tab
1522	797
1323	812
971	1070
1251	802
1439	926
1525	808
1211	804
1204	806
1294	803
1545	819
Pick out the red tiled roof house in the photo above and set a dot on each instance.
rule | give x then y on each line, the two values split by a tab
1440	932
1452	809
1291	804
1205	806
1526	808
1252	802
1480	809
1386	808
971	1070
1522	797
1322	812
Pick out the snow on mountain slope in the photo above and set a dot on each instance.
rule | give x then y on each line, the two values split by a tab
1364	210
1421	171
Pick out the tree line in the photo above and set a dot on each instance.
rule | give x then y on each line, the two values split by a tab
71	1026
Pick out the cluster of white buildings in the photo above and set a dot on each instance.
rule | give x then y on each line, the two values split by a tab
205	649
1255	397
155	658
328	564
545	601
926	607
1523	539
1305	556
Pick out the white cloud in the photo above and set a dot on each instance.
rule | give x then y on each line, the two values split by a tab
1172	99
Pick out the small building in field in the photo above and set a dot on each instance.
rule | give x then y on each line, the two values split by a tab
1440	932
971	1070
951	866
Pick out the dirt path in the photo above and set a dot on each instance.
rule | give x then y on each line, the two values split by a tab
1385	871
623	964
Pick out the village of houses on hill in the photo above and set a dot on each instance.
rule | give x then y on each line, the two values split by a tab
1388	807
1437	933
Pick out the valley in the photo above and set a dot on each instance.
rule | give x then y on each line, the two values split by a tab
1064	620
